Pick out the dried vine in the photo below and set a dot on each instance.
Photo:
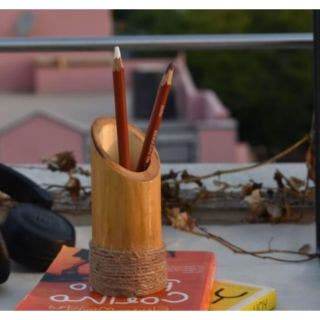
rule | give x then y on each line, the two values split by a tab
261	253
275	158
177	208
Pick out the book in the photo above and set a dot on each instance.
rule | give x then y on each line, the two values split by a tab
227	295
65	285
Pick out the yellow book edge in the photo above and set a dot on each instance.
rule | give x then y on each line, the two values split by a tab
234	295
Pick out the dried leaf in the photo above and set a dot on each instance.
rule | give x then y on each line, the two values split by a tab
221	184
247	188
83	172
189	222
311	163
254	198
202	194
180	220
270	193
255	212
186	176
256	185
63	161
278	177
74	186
170	190
310	194
257	205
171	175
305	248
274	211
287	209
296	182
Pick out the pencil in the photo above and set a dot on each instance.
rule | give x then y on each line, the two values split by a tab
155	119
121	109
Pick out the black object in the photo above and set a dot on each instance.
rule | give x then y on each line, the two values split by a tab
316	105
145	86
35	235
22	189
4	261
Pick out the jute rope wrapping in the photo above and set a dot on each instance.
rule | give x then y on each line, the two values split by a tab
127	273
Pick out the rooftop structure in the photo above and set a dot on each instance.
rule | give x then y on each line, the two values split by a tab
49	100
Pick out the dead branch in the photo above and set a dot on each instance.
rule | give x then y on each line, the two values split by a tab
277	157
257	254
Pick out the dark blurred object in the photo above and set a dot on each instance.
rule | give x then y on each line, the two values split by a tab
22	189
62	161
35	235
145	85
4	261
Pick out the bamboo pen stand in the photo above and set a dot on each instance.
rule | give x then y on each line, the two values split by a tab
127	253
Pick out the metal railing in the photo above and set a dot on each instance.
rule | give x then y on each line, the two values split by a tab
194	42
161	42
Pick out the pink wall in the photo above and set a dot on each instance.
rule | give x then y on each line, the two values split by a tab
86	79
243	153
54	23
16	71
90	79
37	138
17	68
217	145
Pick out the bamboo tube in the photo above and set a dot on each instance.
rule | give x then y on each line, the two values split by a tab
126	208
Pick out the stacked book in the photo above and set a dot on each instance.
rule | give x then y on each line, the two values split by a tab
191	286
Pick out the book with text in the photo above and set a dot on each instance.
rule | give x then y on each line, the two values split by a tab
65	285
227	295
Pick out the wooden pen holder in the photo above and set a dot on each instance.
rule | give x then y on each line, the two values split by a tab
127	253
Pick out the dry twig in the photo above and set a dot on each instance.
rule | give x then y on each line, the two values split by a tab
250	167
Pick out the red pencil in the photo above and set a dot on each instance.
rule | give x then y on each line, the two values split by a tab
155	119
121	109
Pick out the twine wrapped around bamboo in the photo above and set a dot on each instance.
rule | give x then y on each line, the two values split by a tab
127	253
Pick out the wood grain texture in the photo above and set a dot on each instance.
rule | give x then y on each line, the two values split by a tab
126	205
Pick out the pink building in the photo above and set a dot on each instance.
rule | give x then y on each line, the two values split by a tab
49	100
37	135
44	23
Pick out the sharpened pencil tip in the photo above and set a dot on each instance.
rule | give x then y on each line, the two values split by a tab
117	53
170	66
167	77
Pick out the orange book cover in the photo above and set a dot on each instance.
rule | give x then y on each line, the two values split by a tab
65	285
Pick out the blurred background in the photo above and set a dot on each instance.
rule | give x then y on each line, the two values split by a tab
225	106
